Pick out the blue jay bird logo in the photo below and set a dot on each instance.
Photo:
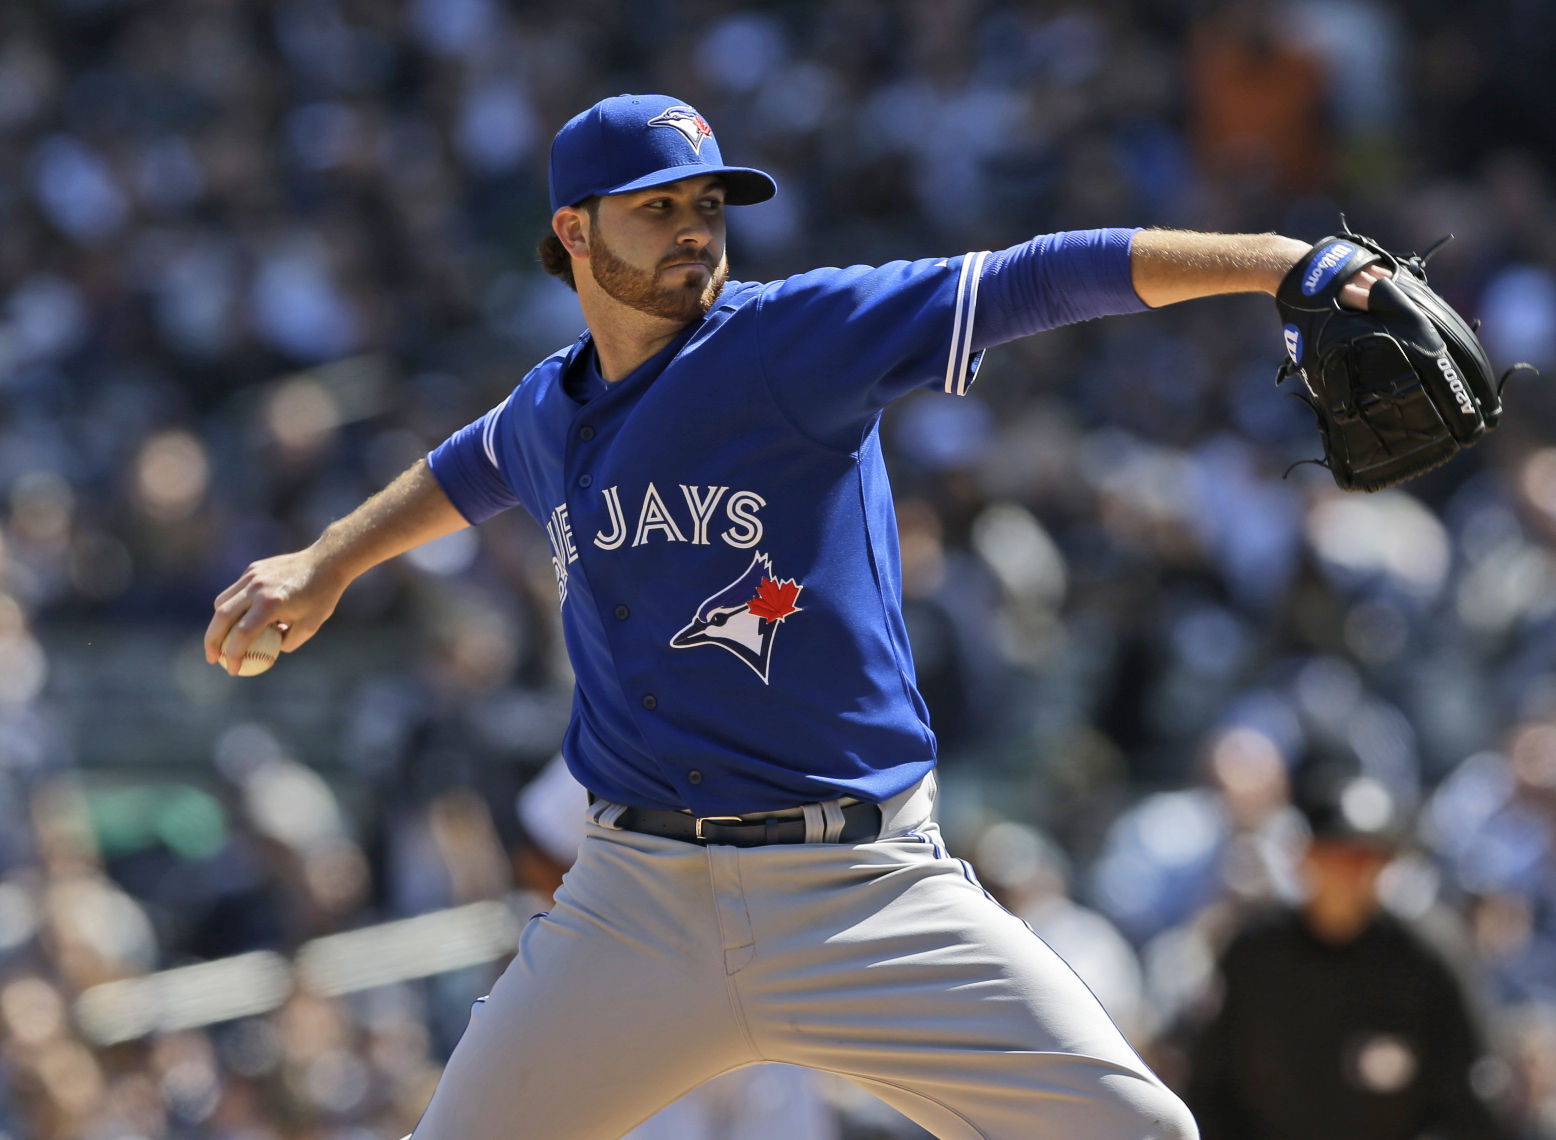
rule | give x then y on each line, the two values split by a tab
693	127
744	616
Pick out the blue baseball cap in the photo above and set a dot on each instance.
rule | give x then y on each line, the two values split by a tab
633	142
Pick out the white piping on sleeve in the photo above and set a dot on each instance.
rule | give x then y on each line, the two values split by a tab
972	310
956	327
489	433
962	326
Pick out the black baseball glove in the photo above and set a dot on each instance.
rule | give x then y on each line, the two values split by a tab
1397	389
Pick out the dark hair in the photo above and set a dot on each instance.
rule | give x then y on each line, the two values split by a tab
554	258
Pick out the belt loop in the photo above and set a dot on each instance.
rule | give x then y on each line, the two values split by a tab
607	814
832	812
815	823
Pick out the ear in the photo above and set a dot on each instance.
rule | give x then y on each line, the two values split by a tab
572	230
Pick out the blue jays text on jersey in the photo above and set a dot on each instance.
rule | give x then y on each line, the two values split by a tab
655	519
723	531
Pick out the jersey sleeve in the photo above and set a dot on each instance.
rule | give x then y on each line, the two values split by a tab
838	345
1055	279
467	467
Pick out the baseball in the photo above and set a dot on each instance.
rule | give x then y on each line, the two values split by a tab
261	655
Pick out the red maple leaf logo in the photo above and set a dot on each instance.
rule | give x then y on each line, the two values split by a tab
774	600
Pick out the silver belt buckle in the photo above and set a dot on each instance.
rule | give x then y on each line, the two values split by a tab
702	819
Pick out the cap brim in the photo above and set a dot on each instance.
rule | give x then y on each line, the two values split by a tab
743	185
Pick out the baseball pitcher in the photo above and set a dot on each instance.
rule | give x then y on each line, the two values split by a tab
762	877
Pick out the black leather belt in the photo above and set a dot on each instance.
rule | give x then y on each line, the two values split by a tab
860	822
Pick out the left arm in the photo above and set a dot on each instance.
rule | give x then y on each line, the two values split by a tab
1058	279
1168	266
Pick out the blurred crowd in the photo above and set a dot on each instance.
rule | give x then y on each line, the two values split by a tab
257	257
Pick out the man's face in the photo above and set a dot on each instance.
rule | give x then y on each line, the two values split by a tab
1342	881
661	251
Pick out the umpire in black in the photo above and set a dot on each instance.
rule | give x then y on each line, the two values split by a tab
1336	1020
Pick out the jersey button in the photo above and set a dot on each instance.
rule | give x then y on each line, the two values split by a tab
694	777
586	433
650	702
622	613
584	480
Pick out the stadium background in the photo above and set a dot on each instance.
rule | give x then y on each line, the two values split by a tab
256	258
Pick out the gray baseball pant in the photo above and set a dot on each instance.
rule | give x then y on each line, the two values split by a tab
664	963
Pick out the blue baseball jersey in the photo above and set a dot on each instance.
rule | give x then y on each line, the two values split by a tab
724	536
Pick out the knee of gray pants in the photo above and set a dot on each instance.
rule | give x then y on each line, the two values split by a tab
1167	1117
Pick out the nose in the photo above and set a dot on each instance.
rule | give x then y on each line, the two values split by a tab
695	230
695	233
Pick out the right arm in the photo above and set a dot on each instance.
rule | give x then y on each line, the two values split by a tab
300	590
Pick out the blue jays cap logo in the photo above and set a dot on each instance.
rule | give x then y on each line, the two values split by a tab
693	127
744	616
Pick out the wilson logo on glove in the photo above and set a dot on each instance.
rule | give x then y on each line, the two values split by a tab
1326	266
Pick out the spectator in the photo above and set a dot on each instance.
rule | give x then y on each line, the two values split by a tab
1332	1017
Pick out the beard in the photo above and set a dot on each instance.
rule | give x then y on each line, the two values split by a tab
687	297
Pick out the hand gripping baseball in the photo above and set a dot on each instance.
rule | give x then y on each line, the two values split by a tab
293	591
299	591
